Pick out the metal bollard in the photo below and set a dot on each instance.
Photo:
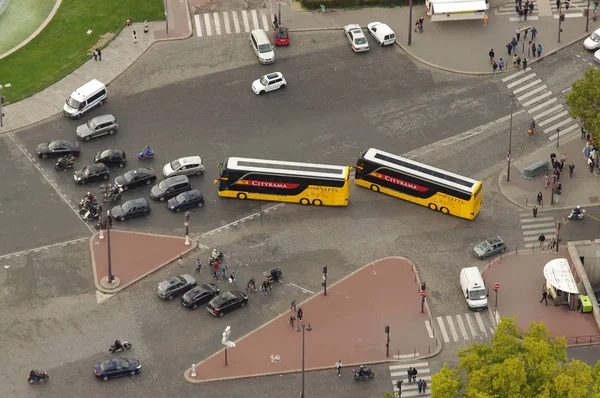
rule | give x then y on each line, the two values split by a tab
193	374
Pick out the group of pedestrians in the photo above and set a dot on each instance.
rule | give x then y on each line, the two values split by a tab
412	377
419	25
296	315
511	47
523	9
592	155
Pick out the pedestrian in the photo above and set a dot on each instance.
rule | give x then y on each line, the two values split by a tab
515	61
524	63
553	243
224	270
99	54
541	238
409	374
215	275
232	279
518	63
514	44
590	164
524	11
509	47
518	32
526	29
198	265
552	157
521	13
535	211
300	314
491	54
494	67
95	55
540	198
546	181
414	374
485	19
416	26
567	4
533	30
180	260
544	296
146	26
134	37
292	319
293	306
571	168
582	133
533	49
539	49
251	285
530	6
424	386
420	385
501	64
558	4
338	367
557	174
264	287
421	21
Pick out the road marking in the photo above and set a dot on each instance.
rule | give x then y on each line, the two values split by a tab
198	25
217	23
409	365
541	106
540	231
538	81
530	93
557	125
515	75
444	333
37	249
236	23
226	19
255	19
100	297
245	18
535	219
226	226
524	79
452	328
305	290
52	184
480	323
462	328
564	131
265	22
567	89
207	25
538	98
553	118
429	330
547	112
543	225
470	323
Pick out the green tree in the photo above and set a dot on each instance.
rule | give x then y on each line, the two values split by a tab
517	364
584	101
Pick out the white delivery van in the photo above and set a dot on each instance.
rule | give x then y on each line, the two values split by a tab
86	97
259	41
473	288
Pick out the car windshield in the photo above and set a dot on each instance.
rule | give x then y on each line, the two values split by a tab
477	294
126	206
360	40
106	153
91	125
129	176
484	245
175	165
164	185
54	145
265	48
222	299
181	198
86	171
73	103
282	34
595	37
264	81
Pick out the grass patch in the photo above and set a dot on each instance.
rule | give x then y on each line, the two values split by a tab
22	18
64	45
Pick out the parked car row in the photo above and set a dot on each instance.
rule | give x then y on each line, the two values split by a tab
381	32
592	43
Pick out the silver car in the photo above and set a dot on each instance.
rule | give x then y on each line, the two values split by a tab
184	166
101	125
175	286
489	247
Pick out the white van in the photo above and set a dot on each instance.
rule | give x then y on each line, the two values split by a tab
259	41
86	97
473	288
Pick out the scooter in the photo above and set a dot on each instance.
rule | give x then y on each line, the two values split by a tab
367	374
42	377
64	162
143	155
125	346
92	214
574	216
216	255
112	194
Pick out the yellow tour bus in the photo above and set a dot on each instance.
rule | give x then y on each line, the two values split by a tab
272	180
419	183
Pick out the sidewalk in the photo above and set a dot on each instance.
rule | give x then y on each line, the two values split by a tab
348	325
119	55
581	190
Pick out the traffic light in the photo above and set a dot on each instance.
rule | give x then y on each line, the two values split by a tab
325	270
562	17
109	221
423	286
387	329
399	384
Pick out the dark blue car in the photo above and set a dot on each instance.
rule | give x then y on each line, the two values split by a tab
186	200
117	367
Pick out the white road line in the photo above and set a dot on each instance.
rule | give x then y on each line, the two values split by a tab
245	18
538	98
452	328
429	330
236	23
541	106
553	118
518	19
217	22
515	75
531	239
226	19
480	323
541	230
542	225
557	125
265	22
52	184
548	111
226	226
461	326
530	93
574	15
567	89
538	81
198	25
409	365
37	249
444	333
301	288
569	129
521	80
207	25
470	323
255	19
530	218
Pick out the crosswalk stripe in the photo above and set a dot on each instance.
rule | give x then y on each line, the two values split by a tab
538	98
553	118
198	26
517	91
461	326
542	106
444	333
557	125
245	18
405	380
569	129
207	25
226	19
480	323
514	75
403	373
265	22
405	366
537	219
524	79
429	330
470	323
548	111
532	239
255	19
530	93
217	23
518	19
236	23
452	328
539	231
542	225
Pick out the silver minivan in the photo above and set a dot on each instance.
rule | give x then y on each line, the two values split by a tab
259	41
85	98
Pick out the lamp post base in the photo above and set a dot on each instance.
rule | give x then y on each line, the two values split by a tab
187	240
109	286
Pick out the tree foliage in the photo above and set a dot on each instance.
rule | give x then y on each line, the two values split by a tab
584	101
517	364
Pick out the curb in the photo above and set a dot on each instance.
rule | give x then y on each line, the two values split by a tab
186	373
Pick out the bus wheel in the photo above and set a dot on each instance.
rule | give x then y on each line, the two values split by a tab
242	196
317	202
445	210
374	188
304	201
432	206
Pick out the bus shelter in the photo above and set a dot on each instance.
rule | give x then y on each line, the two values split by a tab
560	283
452	10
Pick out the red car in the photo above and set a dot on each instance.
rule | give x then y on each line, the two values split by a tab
281	36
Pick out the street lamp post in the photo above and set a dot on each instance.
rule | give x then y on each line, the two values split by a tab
225	341
187	228
111	277
302	394
410	28
508	155
587	17
557	137
324	281
2	100
387	343
560	19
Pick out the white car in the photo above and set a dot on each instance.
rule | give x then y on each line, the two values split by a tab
356	37
184	166
592	42
597	56
382	33
271	82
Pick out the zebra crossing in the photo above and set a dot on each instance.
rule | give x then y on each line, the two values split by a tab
398	372
534	227
575	9
230	22
508	9
540	102
461	327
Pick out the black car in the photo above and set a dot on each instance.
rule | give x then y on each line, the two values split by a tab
130	209
117	367
135	178
199	295
111	157
57	148
93	172
175	286
186	200
170	187
226	302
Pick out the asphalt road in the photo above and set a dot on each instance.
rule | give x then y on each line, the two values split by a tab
589	355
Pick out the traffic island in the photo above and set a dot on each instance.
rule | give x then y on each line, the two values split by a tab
133	255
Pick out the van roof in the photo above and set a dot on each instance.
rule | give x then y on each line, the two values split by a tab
87	89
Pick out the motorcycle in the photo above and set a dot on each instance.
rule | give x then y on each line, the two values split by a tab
575	216
276	275
86	203
367	373
125	346
91	214
112	194
64	162
143	155
41	377
216	255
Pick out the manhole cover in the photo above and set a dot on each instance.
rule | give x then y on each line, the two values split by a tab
594	199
